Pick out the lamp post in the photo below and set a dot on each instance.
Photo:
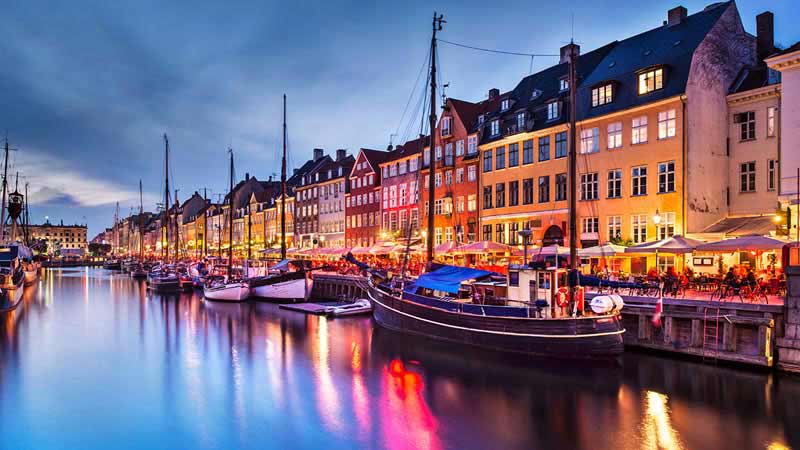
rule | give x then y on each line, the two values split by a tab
525	235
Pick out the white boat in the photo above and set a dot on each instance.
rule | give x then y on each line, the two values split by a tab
284	286
360	306
221	290
12	275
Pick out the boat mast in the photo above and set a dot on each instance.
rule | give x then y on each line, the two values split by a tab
116	230
165	239
141	223
283	186
437	26
573	173
177	231
5	186
26	219
230	223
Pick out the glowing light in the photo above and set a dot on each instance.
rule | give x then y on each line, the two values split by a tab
658	430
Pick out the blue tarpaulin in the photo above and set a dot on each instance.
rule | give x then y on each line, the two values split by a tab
449	278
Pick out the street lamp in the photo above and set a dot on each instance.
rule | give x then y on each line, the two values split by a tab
525	235
657	217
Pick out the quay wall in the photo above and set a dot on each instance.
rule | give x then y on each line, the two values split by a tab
745	333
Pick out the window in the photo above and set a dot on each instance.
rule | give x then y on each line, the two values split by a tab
589	186
544	189
665	263
651	80
426	157
513	233
666	177
460	147
772	174
615	135
527	151
602	95
771	121
472	173
487	197
747	176
448	178
639	130
544	148
513	155
472	202
614	227
590	140
446	126
500	190
521	121
438	153
666	228
563	84
552	110
500	233
460	175
639	180
747	125
615	183
513	193
505	104
500	157
412	165
487	232
448	154
590	224
666	124
437	179
448	234
437	233
527	191
561	187
495	128
561	145
472	144
639	228
487	161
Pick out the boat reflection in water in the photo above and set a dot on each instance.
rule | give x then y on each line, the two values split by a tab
100	347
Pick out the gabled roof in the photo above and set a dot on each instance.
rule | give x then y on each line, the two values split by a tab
346	164
469	112
375	158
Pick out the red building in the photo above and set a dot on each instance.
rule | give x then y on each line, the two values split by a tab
456	179
363	205
399	186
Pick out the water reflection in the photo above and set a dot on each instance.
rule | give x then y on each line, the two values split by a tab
91	359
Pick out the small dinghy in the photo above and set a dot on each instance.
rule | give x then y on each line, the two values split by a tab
360	306
222	290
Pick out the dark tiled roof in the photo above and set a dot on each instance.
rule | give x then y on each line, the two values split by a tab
346	164
743	226
754	77
671	46
793	48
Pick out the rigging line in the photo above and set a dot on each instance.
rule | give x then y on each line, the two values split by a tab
425	63
489	50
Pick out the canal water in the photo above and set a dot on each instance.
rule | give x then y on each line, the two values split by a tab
92	360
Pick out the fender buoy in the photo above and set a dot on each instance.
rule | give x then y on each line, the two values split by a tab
562	296
579	291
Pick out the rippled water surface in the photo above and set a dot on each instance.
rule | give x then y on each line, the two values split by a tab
91	360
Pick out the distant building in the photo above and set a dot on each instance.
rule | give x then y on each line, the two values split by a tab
60	236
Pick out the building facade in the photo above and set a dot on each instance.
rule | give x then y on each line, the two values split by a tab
60	237
400	190
363	201
332	192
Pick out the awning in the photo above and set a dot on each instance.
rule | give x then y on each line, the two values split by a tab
601	251
673	245
449	278
743	226
755	243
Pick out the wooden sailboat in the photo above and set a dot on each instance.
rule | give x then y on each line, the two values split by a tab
139	271
536	318
283	285
228	288
113	262
161	278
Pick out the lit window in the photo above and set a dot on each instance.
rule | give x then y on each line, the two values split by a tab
552	110
666	124
639	130
771	121
590	140
563	84
472	145
446	126
602	95
651	80
495	130
666	228
521	121
615	135
505	104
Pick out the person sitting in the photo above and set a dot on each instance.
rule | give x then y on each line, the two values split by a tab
751	279
730	278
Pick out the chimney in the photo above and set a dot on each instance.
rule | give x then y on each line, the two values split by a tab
676	15
494	93
246	176
270	179
341	154
765	34
318	153
565	52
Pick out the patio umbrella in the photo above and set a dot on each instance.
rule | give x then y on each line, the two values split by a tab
673	245
482	247
752	242
360	250
551	250
601	251
445	247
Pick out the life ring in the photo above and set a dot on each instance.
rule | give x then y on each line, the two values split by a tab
562	297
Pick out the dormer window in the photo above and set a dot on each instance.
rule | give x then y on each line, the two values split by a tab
535	94
481	119
505	104
602	95
552	110
563	85
521	121
495	128
651	80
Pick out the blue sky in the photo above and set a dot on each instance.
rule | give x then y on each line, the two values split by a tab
89	88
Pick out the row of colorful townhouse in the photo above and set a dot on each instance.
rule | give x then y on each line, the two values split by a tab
678	131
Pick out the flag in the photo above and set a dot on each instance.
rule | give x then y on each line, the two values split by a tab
659	307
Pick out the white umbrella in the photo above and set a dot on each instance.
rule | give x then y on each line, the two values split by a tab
753	242
601	251
674	245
